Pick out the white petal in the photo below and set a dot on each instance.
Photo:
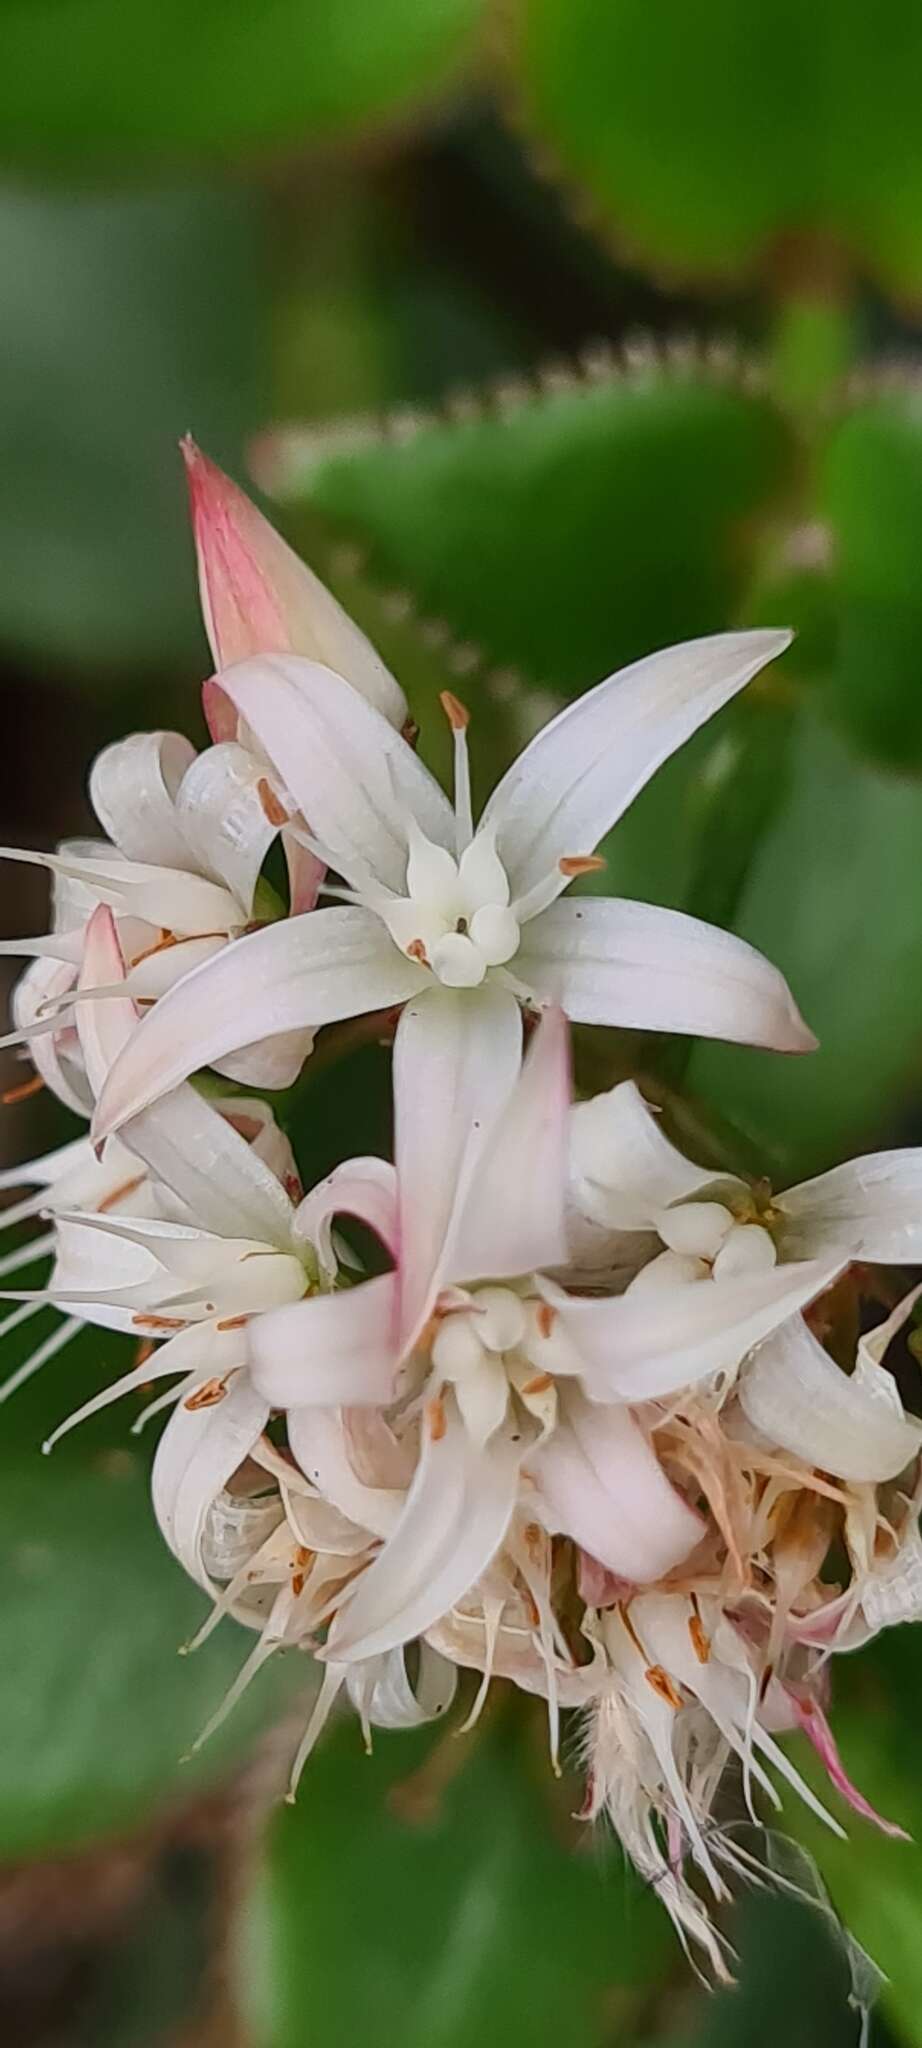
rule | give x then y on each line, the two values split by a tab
625	1170
609	961
225	1185
456	1516
336	1348
365	1188
457	962
872	1207
383	1694
56	1059
104	1027
640	1346
198	1453
697	1229
221	812
133	786
513	1218
317	1439
748	1248
796	1395
269	1063
583	770
482	878
600	1483
456	1057
483	1398
183	903
313	969
351	775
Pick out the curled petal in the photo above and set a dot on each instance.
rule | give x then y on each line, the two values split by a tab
198	1453
796	1395
133	788
364	1188
624	1169
221	809
871	1207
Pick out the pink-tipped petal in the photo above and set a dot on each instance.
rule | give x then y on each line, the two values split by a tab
811	1718
258	597
104	1027
364	1188
609	961
514	1218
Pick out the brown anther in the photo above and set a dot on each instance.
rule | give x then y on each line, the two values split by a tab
274	812
435	1414
233	1323
765	1681
534	1538
206	1396
545	1318
144	1322
699	1640
531	1609
540	1384
416	951
293	1187
303	1556
144	1354
580	864
297	1584
457	714
409	731
23	1091
663	1686
119	1194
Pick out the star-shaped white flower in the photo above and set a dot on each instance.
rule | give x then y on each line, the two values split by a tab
431	901
695	1307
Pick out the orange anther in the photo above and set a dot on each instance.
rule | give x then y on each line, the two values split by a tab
457	714
699	1640
546	1317
663	1686
23	1091
144	1322
416	951
232	1323
435	1413
539	1385
274	812
580	864
206	1396
144	1354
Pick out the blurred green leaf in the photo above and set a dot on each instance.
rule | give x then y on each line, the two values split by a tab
97	1710
424	1899
870	492
832	899
567	532
125	322
876	1882
94	79
792	1983
713	137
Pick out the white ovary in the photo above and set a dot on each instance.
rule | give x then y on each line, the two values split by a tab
704	1240
487	1347
456	916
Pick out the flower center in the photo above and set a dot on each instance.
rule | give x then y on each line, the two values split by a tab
490	1345
704	1240
455	917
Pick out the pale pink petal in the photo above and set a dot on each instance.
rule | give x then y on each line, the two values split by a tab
222	809
348	772
852	1425
56	1058
198	1453
609	961
270	1063
871	1207
811	1718
583	770
317	1438
187	904
599	1482
333	1348
304	970
457	1513
259	598
103	1027
514	1219
639	1346
364	1188
133	785
456	1058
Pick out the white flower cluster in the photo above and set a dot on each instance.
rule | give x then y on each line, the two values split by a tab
591	1426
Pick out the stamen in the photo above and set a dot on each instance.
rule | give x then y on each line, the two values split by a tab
274	812
152	1322
161	945
435	1415
118	1194
22	1092
206	1396
545	1317
233	1323
417	951
539	1385
580	864
663	1687
458	718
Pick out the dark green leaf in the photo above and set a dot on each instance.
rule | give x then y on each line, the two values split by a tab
93	79
97	1710
832	899
713	137
871	495
428	1899
125	322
